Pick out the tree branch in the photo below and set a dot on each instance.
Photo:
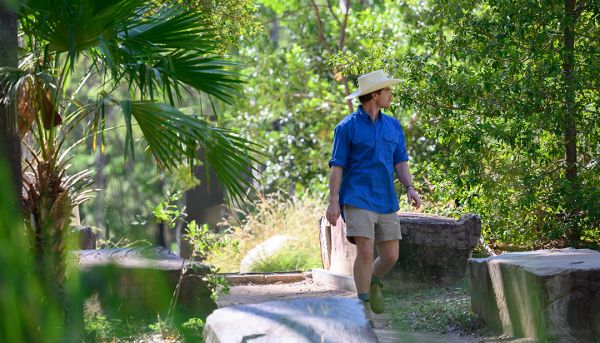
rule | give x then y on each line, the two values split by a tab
343	25
341	47
581	5
333	13
320	26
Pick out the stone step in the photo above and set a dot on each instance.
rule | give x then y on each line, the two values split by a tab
266	278
547	295
326	319
335	280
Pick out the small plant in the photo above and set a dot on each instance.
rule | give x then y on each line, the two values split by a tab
192	330
99	328
162	327
204	243
168	211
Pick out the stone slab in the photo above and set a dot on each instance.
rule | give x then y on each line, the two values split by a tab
337	253
433	248
336	280
265	278
548	295
138	282
327	319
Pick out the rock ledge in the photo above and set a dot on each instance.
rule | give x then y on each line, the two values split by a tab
548	295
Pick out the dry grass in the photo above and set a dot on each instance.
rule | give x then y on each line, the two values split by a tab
274	215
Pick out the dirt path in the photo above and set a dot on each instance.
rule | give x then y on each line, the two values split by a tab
253	293
256	293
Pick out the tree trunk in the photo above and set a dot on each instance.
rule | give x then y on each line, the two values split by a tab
10	144
100	215
570	117
160	228
274	33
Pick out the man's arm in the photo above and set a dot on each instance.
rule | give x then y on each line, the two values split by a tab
405	178
335	180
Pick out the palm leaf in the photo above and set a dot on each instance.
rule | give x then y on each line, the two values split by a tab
172	27
173	137
74	26
163	51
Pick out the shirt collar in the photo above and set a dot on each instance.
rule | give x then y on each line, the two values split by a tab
363	114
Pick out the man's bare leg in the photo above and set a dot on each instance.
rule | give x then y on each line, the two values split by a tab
388	256
363	264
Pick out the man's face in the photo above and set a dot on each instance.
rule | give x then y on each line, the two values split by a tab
383	98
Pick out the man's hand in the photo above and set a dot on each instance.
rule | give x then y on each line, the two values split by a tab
413	198
333	212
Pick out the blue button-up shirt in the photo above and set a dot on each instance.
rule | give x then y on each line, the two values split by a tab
368	151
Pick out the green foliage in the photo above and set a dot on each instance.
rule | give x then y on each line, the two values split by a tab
168	212
27	312
151	50
203	241
484	87
236	20
273	215
291	101
100	328
194	324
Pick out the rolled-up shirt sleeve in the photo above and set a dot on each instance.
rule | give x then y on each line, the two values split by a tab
400	154
339	154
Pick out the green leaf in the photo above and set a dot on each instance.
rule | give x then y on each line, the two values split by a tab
173	137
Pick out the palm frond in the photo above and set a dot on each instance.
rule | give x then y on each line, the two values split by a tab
209	74
173	137
73	26
171	27
165	50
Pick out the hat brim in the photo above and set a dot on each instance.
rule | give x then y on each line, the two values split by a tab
373	88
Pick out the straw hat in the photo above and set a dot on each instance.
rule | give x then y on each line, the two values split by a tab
371	82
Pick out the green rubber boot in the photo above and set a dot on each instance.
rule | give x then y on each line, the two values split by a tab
376	298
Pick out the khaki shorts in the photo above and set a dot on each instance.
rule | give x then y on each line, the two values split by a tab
365	223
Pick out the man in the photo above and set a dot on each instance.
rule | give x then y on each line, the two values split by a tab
368	148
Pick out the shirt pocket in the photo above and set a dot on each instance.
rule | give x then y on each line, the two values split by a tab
390	143
363	140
